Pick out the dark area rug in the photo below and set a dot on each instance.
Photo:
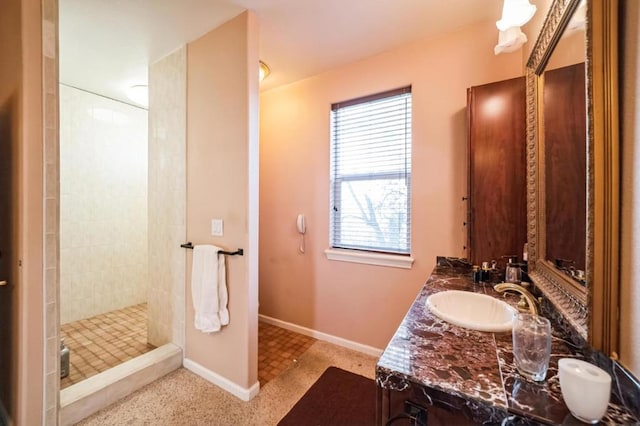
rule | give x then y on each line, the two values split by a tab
337	398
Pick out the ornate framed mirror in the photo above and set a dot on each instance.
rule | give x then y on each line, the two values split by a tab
573	166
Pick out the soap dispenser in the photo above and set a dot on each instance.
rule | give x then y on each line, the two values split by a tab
64	359
512	273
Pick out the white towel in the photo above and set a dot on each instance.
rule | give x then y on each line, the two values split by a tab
209	289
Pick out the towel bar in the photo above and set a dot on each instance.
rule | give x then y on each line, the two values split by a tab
239	252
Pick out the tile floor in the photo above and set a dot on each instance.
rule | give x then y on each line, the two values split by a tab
104	341
278	349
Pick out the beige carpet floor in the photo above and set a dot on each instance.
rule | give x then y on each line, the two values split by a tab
183	398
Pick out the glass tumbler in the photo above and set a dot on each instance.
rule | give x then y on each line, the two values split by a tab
531	345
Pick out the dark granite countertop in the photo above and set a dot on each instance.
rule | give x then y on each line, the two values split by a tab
475	367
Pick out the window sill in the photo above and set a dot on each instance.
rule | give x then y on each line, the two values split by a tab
368	258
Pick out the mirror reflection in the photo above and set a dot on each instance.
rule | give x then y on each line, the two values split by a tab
564	141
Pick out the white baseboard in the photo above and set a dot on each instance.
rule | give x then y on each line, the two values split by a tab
222	382
349	344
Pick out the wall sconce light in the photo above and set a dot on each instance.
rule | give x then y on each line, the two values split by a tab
515	13
510	40
264	71
139	94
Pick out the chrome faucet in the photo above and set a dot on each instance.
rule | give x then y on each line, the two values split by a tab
527	300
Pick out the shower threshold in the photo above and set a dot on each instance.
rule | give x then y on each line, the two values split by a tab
103	389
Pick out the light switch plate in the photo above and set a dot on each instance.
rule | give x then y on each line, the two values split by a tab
217	227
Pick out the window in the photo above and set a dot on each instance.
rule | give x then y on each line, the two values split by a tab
371	173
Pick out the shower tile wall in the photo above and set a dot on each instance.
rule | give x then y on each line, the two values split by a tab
103	204
51	171
167	200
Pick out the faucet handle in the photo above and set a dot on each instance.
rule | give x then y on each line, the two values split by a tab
524	302
527	300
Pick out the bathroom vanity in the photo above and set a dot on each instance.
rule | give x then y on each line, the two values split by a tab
462	376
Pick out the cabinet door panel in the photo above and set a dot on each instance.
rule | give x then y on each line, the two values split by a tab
497	181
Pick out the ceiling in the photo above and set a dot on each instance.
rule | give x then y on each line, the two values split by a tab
107	45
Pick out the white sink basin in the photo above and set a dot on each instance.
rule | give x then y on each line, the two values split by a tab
472	310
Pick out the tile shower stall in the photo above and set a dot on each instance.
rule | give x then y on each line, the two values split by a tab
103	215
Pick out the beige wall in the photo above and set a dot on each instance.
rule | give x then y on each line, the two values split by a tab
533	27
630	155
570	49
30	286
10	115
364	303
167	201
222	86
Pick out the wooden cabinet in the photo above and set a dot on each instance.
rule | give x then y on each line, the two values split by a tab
417	405
496	121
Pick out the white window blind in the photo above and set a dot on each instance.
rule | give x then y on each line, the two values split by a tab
371	173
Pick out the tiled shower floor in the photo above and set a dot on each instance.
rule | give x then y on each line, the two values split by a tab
104	341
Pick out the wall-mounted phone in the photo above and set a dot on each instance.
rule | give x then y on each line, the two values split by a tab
301	223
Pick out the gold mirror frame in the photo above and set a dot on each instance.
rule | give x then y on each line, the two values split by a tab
591	312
